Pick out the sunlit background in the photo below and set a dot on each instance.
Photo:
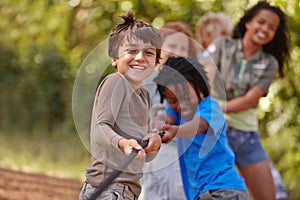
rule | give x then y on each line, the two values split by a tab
44	42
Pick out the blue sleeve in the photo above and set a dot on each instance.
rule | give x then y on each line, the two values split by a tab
210	110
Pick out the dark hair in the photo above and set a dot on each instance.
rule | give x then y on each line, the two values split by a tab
133	28
181	27
180	70
280	45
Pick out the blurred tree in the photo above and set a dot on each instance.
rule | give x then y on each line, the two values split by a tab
278	113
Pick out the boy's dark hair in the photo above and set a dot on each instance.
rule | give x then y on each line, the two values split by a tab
179	71
280	45
133	28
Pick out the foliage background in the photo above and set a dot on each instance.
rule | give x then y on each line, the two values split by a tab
42	44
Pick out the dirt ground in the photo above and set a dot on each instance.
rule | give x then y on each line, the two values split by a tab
16	185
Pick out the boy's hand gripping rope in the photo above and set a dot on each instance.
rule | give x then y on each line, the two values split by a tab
123	165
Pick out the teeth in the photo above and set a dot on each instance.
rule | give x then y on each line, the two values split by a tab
260	34
140	68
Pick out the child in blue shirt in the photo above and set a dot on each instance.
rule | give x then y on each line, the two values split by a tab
196	119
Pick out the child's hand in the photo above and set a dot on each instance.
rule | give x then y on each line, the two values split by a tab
128	145
154	142
170	132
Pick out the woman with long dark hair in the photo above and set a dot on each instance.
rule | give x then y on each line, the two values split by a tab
248	63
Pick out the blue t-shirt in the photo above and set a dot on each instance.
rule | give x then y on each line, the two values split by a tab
206	160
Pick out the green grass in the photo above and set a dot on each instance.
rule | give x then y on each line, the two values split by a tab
55	154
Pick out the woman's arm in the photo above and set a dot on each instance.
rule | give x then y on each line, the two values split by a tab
241	103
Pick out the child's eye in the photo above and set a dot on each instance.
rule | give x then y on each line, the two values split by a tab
171	100
260	21
150	52
132	51
273	28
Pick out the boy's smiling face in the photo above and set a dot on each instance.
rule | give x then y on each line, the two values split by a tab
136	60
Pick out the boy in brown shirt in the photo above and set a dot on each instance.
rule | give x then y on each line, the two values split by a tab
120	115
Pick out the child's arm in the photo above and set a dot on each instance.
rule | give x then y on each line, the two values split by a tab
162	119
186	130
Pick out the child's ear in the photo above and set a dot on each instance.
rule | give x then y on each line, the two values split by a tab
114	62
201	95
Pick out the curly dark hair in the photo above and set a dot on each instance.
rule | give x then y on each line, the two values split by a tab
134	28
280	46
177	71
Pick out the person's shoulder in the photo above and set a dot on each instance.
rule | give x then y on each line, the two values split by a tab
220	43
229	43
115	76
209	99
224	40
111	80
273	62
269	56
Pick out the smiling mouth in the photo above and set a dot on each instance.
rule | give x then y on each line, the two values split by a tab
261	35
138	68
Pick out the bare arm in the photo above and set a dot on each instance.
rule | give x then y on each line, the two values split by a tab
186	130
160	121
241	103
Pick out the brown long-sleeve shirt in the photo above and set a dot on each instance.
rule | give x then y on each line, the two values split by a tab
119	111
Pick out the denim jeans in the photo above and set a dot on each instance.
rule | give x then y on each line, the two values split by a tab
246	146
248	150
